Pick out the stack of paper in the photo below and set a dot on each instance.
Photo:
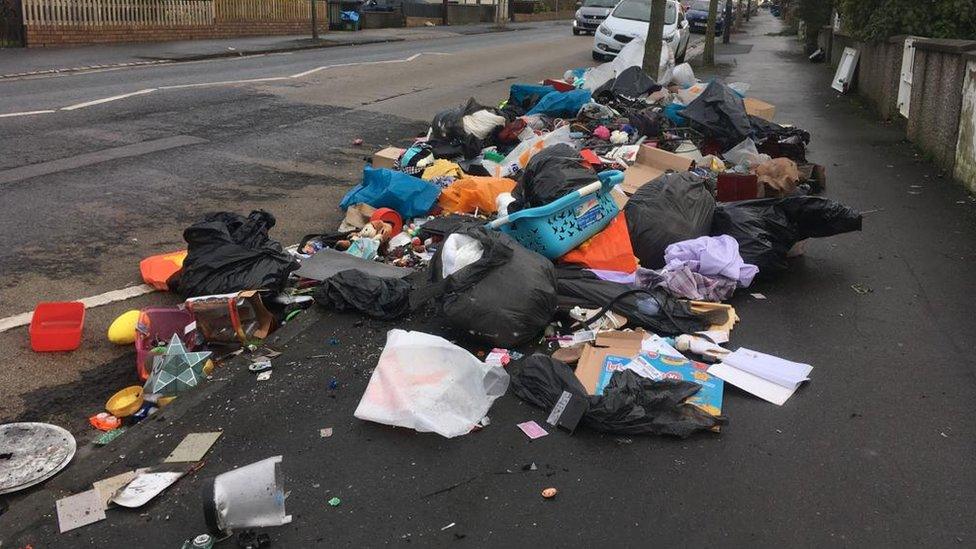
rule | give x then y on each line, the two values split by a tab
768	377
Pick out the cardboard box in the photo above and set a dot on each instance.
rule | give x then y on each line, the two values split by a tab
650	164
757	107
590	367
385	158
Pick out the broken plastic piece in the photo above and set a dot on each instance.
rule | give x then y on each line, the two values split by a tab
334	502
251	496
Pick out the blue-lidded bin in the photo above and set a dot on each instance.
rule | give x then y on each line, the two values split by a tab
562	225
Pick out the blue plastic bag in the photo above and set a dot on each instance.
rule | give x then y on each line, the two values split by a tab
351	16
562	104
382	188
533	93
672	111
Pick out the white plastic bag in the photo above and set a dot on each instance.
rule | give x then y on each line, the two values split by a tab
745	154
684	76
481	123
517	159
426	383
460	250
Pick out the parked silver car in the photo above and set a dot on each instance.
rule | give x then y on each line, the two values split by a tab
590	14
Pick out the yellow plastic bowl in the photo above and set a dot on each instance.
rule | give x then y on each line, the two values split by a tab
125	402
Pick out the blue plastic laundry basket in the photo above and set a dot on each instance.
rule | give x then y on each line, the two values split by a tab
562	225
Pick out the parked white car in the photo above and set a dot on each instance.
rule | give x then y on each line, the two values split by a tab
629	20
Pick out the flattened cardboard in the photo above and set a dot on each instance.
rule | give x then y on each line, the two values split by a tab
650	164
760	108
79	510
613	343
193	447
385	158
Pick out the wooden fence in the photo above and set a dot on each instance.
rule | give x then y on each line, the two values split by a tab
162	13
105	13
266	10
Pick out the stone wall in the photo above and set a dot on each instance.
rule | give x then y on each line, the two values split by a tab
938	75
965	169
879	73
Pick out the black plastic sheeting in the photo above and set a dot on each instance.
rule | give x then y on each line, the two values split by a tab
630	404
354	290
653	309
628	86
767	228
669	209
506	298
550	174
720	114
227	252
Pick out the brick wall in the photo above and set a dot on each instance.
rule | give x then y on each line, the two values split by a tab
38	36
545	16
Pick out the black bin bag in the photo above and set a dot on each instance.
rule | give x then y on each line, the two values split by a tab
507	297
550	174
669	209
767	228
629	405
227	253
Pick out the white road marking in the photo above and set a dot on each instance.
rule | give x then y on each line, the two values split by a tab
28	113
24	319
222	83
107	99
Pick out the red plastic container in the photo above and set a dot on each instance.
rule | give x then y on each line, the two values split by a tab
57	326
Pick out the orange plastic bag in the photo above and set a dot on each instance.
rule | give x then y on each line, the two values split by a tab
609	250
157	269
473	192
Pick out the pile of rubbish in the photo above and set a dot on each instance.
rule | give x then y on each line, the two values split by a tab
583	233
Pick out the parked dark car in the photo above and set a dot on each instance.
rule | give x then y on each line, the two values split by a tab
697	17
590	14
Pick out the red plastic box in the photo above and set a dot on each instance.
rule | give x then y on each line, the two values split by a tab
57	326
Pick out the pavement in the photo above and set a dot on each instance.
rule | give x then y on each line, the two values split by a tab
34	62
877	450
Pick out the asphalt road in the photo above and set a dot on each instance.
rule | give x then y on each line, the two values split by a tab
89	192
877	450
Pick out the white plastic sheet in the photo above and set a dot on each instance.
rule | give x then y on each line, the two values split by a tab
630	55
426	383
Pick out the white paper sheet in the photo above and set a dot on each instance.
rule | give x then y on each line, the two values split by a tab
766	390
780	371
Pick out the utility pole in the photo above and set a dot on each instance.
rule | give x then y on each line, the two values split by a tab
315	23
709	55
444	13
654	40
748	9
727	28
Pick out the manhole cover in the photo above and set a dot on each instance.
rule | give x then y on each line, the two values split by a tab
31	453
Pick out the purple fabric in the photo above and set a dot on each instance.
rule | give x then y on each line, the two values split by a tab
614	276
711	256
684	283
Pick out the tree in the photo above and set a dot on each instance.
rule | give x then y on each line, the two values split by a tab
878	19
655	38
709	55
